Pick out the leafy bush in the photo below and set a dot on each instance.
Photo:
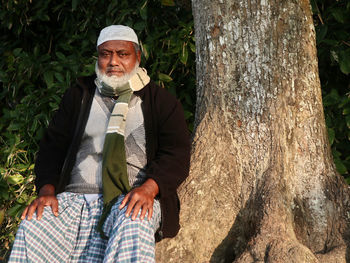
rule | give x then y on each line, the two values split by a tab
45	45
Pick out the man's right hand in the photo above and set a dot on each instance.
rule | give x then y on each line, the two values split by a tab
46	197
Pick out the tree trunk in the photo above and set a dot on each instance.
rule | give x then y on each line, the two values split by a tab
262	185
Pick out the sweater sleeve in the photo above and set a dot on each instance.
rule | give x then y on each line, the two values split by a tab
170	166
55	142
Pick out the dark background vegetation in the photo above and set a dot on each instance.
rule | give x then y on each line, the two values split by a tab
46	44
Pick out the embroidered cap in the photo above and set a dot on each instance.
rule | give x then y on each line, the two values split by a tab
117	32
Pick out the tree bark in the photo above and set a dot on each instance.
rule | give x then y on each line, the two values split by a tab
262	184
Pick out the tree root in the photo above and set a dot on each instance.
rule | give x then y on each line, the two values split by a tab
279	249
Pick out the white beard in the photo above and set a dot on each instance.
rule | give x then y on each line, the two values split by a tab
115	81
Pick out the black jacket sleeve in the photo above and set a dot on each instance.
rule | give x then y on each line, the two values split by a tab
170	166
168	152
57	138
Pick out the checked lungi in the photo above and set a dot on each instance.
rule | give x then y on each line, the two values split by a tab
72	236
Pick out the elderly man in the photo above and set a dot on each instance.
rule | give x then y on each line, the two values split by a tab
108	166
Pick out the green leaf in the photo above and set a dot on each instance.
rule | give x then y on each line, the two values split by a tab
31	199
347	180
334	56
2	215
34	125
344	61
59	77
184	54
53	105
39	133
48	76
45	18
172	90
330	42
193	47
341	168
17	51
36	50
336	154
112	6
139	26
314	7
15	179
168	2
321	33
344	101
60	55
188	114
188	98
15	210
4	196
74	4
145	50
338	14
22	198
346	111
164	77
143	12
331	135
21	167
332	98
14	126
347	120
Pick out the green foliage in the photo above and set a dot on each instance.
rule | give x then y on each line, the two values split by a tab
332	21
45	45
16	191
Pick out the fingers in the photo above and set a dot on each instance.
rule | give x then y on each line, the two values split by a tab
131	205
143	213
138	200
150	212
31	209
136	210
125	201
24	213
54	207
38	206
39	211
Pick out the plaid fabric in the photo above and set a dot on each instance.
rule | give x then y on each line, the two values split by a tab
71	237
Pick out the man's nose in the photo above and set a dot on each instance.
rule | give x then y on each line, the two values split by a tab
114	61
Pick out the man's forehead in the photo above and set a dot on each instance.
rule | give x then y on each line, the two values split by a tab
116	45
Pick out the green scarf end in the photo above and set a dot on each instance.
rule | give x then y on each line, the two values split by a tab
105	212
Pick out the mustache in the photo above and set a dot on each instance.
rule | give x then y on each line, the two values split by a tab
115	68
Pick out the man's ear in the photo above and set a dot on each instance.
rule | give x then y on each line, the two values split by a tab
139	56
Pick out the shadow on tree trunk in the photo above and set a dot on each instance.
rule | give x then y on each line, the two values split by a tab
243	235
245	227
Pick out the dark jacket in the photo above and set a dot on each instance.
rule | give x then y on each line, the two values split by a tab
167	144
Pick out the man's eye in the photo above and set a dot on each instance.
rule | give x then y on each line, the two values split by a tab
123	54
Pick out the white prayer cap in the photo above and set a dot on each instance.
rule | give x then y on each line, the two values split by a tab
117	32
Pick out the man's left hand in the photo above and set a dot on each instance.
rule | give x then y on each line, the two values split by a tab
141	197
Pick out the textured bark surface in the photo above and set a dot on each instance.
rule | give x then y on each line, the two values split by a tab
262	186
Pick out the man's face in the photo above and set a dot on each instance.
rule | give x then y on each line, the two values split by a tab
117	57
